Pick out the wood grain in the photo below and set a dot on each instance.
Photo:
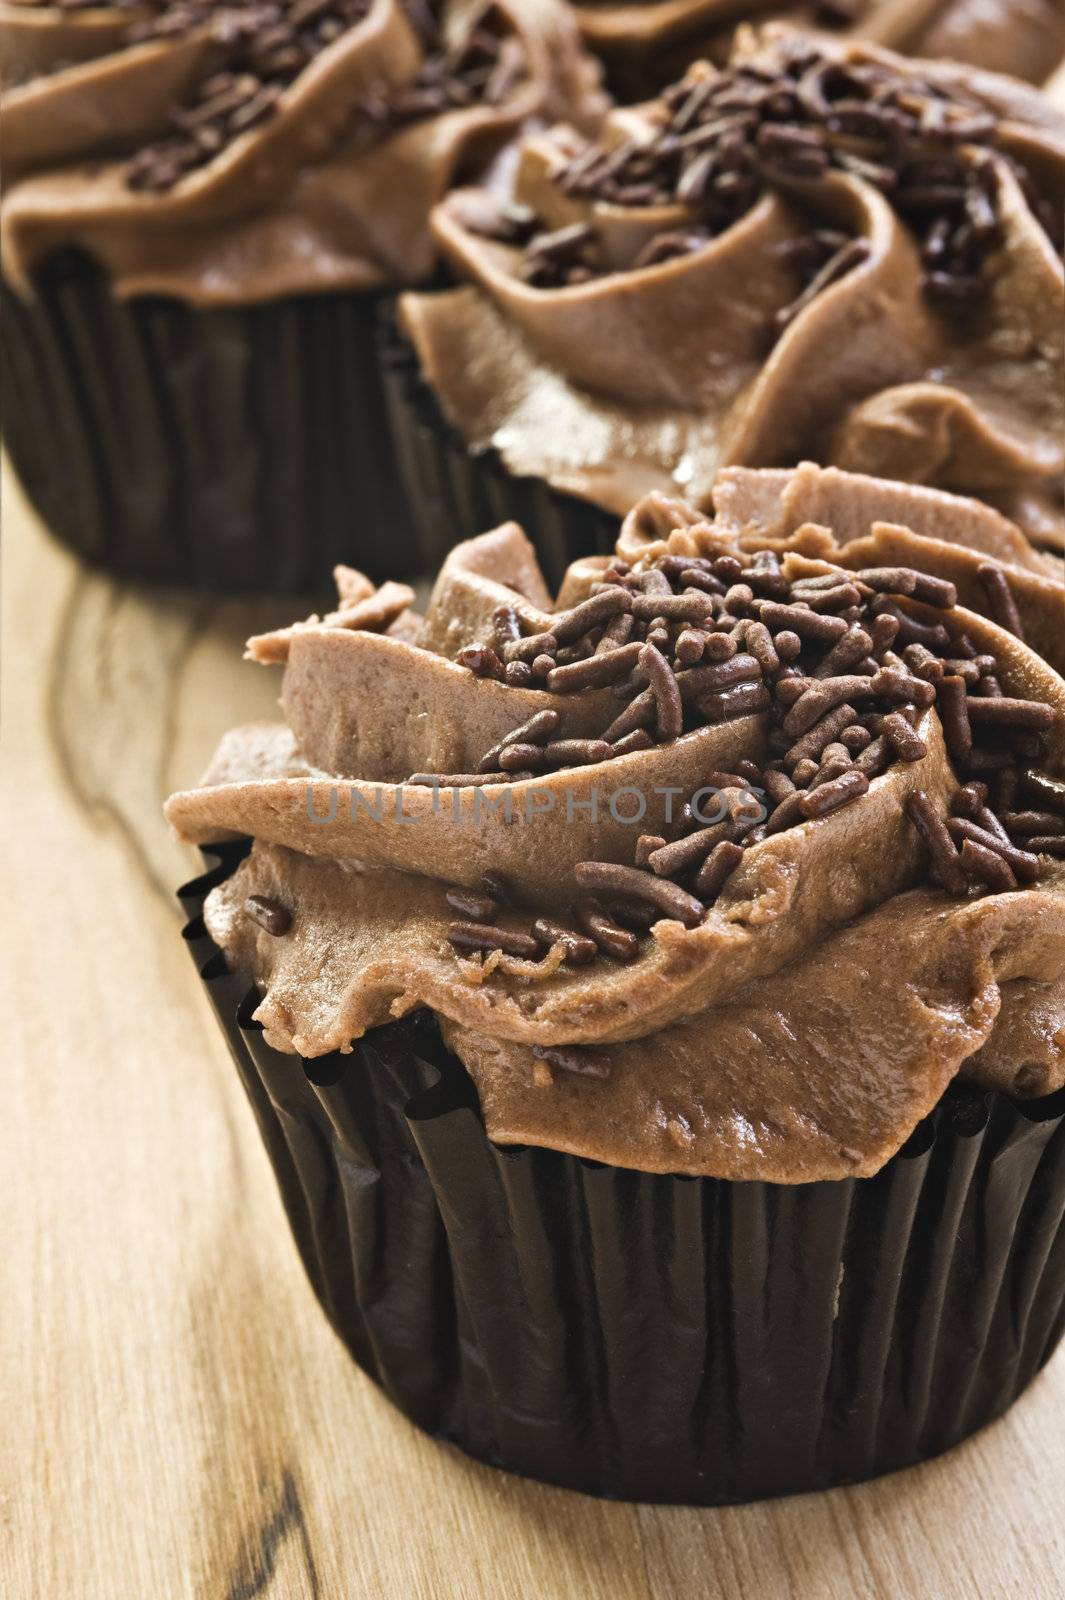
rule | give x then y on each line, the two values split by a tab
178	1419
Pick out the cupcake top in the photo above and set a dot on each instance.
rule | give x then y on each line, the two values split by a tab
724	861
819	251
243	151
1025	38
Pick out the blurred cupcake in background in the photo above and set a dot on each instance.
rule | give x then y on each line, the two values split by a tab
821	251
646	43
205	206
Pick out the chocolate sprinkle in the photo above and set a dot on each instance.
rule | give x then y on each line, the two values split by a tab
613	940
1000	599
579	949
909	745
719	865
946	863
987	866
830	796
1023	862
475	936
952	704
1033	822
269	914
669	713
606	878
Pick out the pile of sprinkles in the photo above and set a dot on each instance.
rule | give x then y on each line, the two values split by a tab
843	666
266	44
723	137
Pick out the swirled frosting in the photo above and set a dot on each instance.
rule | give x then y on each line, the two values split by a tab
648	985
692	341
650	41
238	153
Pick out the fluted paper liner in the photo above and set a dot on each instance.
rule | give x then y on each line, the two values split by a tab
231	449
686	1340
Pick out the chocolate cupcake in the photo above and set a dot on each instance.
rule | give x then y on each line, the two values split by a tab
205	208
819	252
646	43
653	999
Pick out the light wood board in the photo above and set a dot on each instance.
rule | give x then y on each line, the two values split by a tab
178	1420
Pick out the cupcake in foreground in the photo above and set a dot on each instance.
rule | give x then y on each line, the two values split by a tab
737	869
646	42
204	206
818	252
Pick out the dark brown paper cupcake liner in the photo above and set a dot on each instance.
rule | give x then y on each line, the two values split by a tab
647	1337
233	450
455	493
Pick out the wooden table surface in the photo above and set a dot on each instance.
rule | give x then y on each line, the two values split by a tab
178	1419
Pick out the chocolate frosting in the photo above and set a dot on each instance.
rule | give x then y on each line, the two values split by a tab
312	198
653	378
820	1007
1024	38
